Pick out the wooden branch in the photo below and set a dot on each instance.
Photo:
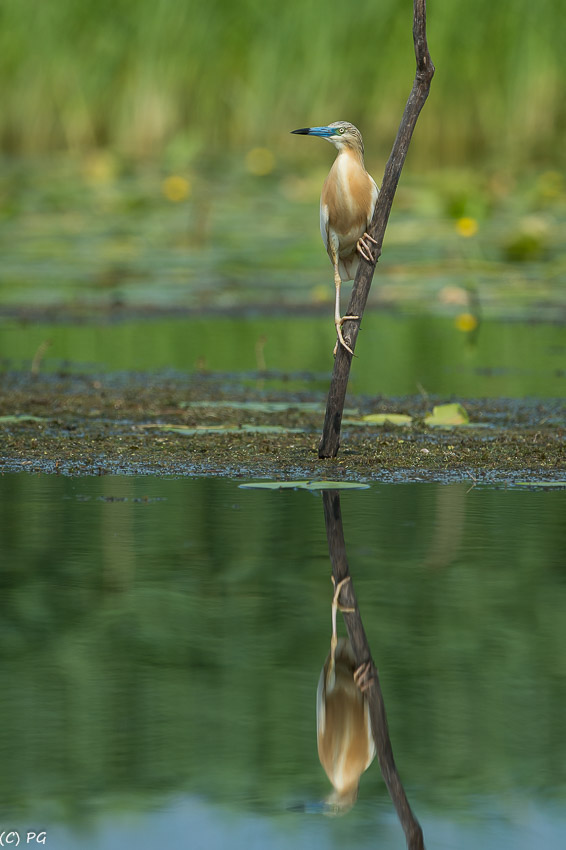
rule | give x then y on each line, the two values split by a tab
330	441
362	653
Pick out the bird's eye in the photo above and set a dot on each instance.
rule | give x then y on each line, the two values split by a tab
341	130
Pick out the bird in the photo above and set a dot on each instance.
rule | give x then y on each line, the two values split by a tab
347	202
346	746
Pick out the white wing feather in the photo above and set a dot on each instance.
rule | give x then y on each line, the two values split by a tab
324	224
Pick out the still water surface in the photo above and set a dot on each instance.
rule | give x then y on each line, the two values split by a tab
398	355
161	642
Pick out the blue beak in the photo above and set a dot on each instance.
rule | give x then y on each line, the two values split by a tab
318	807
324	132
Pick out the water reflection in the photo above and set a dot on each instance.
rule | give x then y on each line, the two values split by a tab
346	747
361	674
161	641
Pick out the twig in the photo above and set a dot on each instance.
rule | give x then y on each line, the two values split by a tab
472	485
38	357
330	441
362	653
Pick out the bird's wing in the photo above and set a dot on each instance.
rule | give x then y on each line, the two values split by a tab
320	707
369	733
324	223
374	194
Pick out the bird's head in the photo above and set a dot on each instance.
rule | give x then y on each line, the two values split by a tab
341	134
337	803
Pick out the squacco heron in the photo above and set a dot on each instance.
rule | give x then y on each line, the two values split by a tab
346	747
347	203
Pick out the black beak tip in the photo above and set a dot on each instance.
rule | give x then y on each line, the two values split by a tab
304	131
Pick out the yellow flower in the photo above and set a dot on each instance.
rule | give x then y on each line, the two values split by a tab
466	322
467	226
260	161
176	188
100	167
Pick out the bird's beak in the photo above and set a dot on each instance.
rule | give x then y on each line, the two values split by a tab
324	132
319	807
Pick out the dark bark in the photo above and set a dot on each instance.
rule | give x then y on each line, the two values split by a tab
362	652
330	441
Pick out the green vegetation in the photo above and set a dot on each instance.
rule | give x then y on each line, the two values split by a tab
90	233
184	78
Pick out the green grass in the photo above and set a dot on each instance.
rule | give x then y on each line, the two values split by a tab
149	77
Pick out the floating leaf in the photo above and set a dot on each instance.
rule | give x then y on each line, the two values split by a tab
273	485
447	415
304	485
546	484
190	431
335	485
261	406
20	417
391	418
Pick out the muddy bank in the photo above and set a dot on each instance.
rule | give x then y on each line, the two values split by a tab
101	424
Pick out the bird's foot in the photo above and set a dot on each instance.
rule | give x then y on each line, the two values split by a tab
364	248
337	588
363	676
341	341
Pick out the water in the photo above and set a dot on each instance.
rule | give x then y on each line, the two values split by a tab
397	354
161	642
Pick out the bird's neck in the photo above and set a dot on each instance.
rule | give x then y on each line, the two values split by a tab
349	155
347	166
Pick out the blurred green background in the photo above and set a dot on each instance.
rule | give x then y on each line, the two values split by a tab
148	78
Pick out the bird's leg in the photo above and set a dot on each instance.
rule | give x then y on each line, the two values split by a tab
335	608
338	320
364	248
363	676
335	604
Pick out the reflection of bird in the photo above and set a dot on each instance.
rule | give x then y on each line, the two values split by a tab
345	742
347	203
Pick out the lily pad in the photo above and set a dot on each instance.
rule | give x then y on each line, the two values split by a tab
547	485
261	406
189	431
391	418
20	417
304	485
447	415
256	406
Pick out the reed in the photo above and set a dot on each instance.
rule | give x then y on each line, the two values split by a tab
141	75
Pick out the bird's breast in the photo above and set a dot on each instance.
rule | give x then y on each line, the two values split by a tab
348	194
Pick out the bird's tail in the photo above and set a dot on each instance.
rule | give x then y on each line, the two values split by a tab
348	267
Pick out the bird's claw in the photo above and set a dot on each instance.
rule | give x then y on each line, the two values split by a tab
337	588
363	676
340	336
364	248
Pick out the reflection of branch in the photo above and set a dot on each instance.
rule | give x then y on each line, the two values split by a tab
362	652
